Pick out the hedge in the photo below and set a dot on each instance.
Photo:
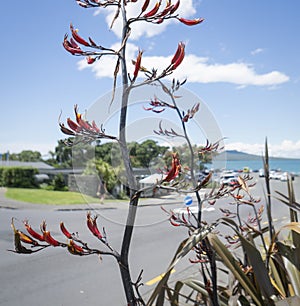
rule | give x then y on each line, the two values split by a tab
22	177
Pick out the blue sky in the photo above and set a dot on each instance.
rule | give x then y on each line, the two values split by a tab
242	61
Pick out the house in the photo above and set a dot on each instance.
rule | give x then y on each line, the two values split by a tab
41	166
45	171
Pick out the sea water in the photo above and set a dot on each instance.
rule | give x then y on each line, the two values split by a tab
284	165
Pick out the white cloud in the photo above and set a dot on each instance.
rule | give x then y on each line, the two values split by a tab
196	69
286	148
139	29
257	51
200	70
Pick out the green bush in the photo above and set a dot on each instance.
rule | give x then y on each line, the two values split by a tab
58	183
22	177
1	176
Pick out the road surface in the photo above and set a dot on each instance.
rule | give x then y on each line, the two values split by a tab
54	277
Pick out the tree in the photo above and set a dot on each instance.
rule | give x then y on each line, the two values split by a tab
68	157
141	154
26	156
147	152
105	171
63	155
106	151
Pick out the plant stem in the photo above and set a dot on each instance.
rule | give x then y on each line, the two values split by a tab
186	136
124	264
124	106
134	197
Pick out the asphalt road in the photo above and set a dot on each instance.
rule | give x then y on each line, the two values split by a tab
54	277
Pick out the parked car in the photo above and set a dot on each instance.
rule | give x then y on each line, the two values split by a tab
275	175
228	178
246	170
284	176
231	181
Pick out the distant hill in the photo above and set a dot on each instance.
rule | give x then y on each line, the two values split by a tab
237	155
230	155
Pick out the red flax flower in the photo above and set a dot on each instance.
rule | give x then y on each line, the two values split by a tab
23	237
178	56
83	124
86	131
65	231
154	10
80	127
96	3
71	46
169	7
75	249
175	169
26	239
47	236
157	106
49	239
78	38
145	5
137	65
191	22
90	60
210	147
191	112
32	232
92	225
19	248
175	7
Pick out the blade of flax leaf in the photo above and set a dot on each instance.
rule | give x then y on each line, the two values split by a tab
291	255
259	268
184	248
196	286
234	266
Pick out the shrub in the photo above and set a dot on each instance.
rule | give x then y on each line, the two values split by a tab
59	183
21	177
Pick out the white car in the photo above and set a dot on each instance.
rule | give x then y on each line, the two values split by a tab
275	175
261	173
228	177
284	176
231	181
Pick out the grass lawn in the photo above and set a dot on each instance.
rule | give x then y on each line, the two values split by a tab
41	196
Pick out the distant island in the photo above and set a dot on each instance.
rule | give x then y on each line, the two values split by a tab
236	160
234	155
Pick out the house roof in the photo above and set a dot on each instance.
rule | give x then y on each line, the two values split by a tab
16	163
151	179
